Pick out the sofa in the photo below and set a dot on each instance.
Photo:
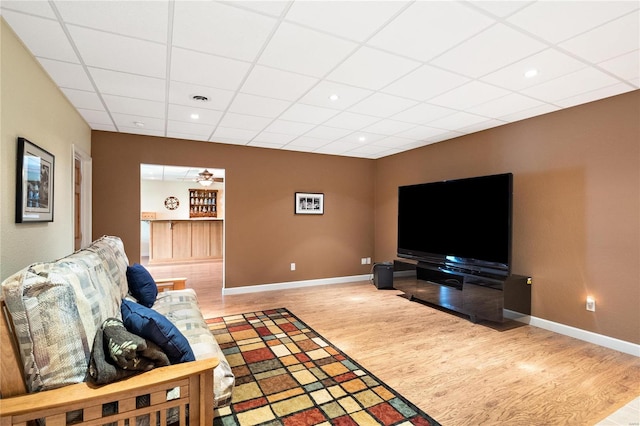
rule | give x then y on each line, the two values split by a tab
52	314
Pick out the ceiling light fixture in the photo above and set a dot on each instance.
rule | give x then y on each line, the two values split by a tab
334	97
531	73
205	178
200	98
195	116
362	138
138	123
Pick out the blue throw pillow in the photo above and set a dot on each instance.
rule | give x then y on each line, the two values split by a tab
151	325
142	285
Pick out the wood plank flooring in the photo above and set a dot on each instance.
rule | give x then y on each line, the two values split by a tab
458	372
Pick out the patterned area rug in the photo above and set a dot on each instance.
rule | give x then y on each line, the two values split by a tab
287	374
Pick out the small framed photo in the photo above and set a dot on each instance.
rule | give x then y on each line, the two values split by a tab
309	203
34	183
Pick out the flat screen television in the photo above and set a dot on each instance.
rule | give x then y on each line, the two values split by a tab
462	224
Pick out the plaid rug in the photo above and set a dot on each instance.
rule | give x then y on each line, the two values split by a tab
287	374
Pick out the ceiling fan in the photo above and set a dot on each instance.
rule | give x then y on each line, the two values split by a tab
206	178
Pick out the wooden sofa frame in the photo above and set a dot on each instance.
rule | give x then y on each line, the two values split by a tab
123	398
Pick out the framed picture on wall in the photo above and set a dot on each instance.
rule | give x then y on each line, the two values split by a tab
309	203
34	183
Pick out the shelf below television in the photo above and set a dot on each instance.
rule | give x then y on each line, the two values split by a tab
481	298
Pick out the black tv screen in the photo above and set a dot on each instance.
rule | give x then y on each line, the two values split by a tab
464	222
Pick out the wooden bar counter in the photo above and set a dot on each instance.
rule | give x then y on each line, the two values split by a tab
181	240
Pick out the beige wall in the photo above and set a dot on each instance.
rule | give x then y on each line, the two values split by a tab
34	108
263	235
576	223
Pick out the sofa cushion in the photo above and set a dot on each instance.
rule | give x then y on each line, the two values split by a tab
142	285
151	325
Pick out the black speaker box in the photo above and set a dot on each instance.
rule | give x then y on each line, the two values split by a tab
383	275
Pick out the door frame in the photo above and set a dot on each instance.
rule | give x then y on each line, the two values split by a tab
85	195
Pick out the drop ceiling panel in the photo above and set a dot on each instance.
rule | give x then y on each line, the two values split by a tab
217	28
298	49
313	75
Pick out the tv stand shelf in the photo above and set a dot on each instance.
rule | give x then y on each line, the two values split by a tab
479	296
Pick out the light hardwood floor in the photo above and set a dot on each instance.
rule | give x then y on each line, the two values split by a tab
458	372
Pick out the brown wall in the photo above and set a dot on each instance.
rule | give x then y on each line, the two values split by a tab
576	223
263	236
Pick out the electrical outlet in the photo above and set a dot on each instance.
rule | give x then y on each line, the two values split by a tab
591	304
293	266
363	261
368	261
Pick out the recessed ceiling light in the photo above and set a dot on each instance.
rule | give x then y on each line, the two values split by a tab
531	73
362	138
138	123
200	98
195	116
334	97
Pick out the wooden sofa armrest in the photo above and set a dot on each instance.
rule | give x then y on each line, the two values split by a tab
171	284
195	380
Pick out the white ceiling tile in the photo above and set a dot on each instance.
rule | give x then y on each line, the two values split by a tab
570	85
328	133
549	63
271	7
241	121
420	133
183	113
258	105
183	93
457	121
277	84
382	105
83	99
488	51
361	138
298	49
394	142
528	113
344	18
265	144
388	127
119	17
308	114
608	41
229	140
237	134
226	31
350	120
337	148
196	68
469	95
480	126
38	8
424	83
275	138
49	41
128	120
300	148
372	69
347	95
187	136
508	104
92	116
428	28
203	130
501	8
600	93
111	51
67	75
423	113
625	66
305	141
130	106
130	85
367	149
289	127
557	21
103	127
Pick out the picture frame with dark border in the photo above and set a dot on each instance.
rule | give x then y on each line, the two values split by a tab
34	183
309	203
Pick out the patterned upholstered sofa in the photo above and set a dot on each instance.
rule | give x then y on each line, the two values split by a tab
51	313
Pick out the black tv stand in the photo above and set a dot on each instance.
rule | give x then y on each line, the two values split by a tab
479	296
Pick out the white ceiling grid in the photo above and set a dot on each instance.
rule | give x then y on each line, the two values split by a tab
406	73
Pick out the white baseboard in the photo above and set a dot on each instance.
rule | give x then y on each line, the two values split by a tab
567	330
577	333
295	284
